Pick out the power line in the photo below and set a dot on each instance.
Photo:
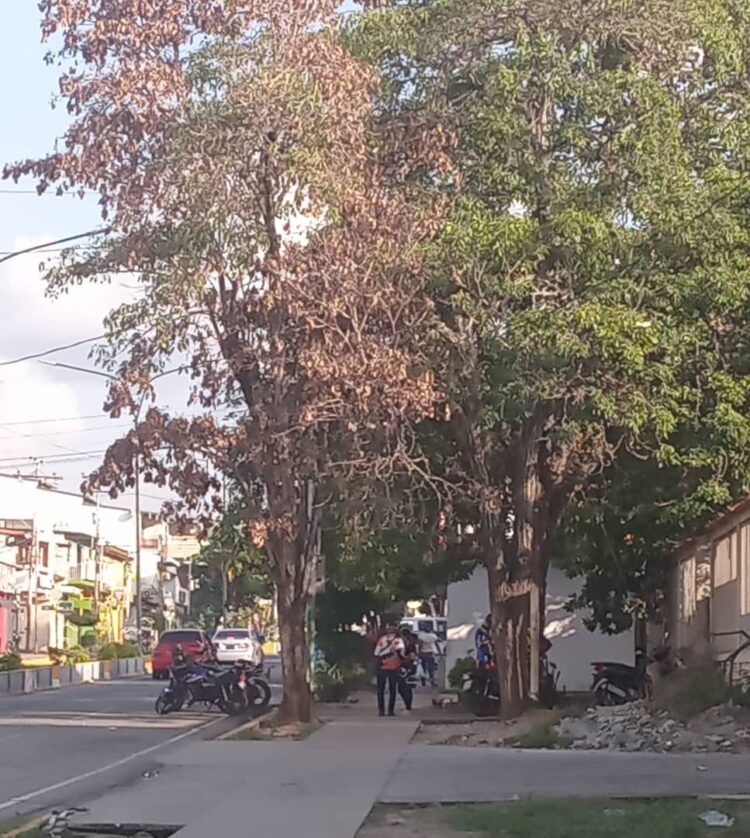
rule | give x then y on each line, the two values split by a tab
19	435
50	351
47	250
100	231
75	194
53	419
63	433
52	459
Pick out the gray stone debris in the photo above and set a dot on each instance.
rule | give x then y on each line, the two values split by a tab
637	727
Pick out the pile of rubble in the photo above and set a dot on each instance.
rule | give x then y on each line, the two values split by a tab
636	727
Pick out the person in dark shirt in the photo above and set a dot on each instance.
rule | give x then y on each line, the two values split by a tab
408	675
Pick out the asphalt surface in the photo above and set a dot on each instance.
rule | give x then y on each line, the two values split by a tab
67	746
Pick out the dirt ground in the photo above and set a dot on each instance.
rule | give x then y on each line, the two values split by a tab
484	734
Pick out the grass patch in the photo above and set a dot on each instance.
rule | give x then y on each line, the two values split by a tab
692	691
541	737
26	828
598	819
306	730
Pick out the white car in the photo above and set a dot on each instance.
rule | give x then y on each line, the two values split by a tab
236	645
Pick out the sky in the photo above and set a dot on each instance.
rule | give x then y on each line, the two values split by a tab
45	413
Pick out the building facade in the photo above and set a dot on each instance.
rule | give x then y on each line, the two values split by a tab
64	566
707	607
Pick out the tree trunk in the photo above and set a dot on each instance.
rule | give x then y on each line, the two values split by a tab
297	704
511	619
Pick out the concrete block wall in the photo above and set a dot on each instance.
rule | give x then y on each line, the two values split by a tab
20	681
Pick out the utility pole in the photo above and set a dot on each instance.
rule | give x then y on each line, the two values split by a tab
138	615
97	558
136	471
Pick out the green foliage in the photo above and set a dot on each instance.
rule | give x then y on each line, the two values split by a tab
108	652
85	618
118	651
334	683
689	692
460	668
344	648
127	649
64	657
543	738
89	640
594	277
229	550
10	661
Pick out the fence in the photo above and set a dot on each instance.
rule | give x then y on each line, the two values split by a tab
19	681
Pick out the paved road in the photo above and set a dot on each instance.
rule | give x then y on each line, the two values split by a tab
71	745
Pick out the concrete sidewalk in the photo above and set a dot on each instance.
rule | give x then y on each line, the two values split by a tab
445	774
323	787
326	786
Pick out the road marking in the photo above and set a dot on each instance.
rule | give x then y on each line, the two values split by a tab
23	798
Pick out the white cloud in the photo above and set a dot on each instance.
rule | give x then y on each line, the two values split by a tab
35	321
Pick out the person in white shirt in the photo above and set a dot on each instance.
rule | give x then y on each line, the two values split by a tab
429	650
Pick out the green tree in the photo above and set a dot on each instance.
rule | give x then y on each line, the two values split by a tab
593	277
230	565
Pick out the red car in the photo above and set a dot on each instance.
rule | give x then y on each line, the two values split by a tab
195	644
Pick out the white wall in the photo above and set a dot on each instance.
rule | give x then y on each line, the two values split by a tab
574	647
63	511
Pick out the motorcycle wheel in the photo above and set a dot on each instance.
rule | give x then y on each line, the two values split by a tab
163	706
547	693
235	703
259	695
605	699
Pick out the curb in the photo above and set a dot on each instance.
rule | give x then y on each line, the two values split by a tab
253	724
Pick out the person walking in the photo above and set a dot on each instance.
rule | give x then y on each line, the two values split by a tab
408	674
389	651
428	655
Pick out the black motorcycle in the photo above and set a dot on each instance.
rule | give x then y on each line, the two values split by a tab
618	683
257	689
212	686
549	676
480	690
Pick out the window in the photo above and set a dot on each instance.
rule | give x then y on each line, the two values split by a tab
44	554
725	562
745	568
184	636
232	634
687	590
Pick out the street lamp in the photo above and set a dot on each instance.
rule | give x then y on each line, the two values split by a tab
137	477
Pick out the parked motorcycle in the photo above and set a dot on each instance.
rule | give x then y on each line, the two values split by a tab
548	679
257	689
480	691
618	683
213	686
